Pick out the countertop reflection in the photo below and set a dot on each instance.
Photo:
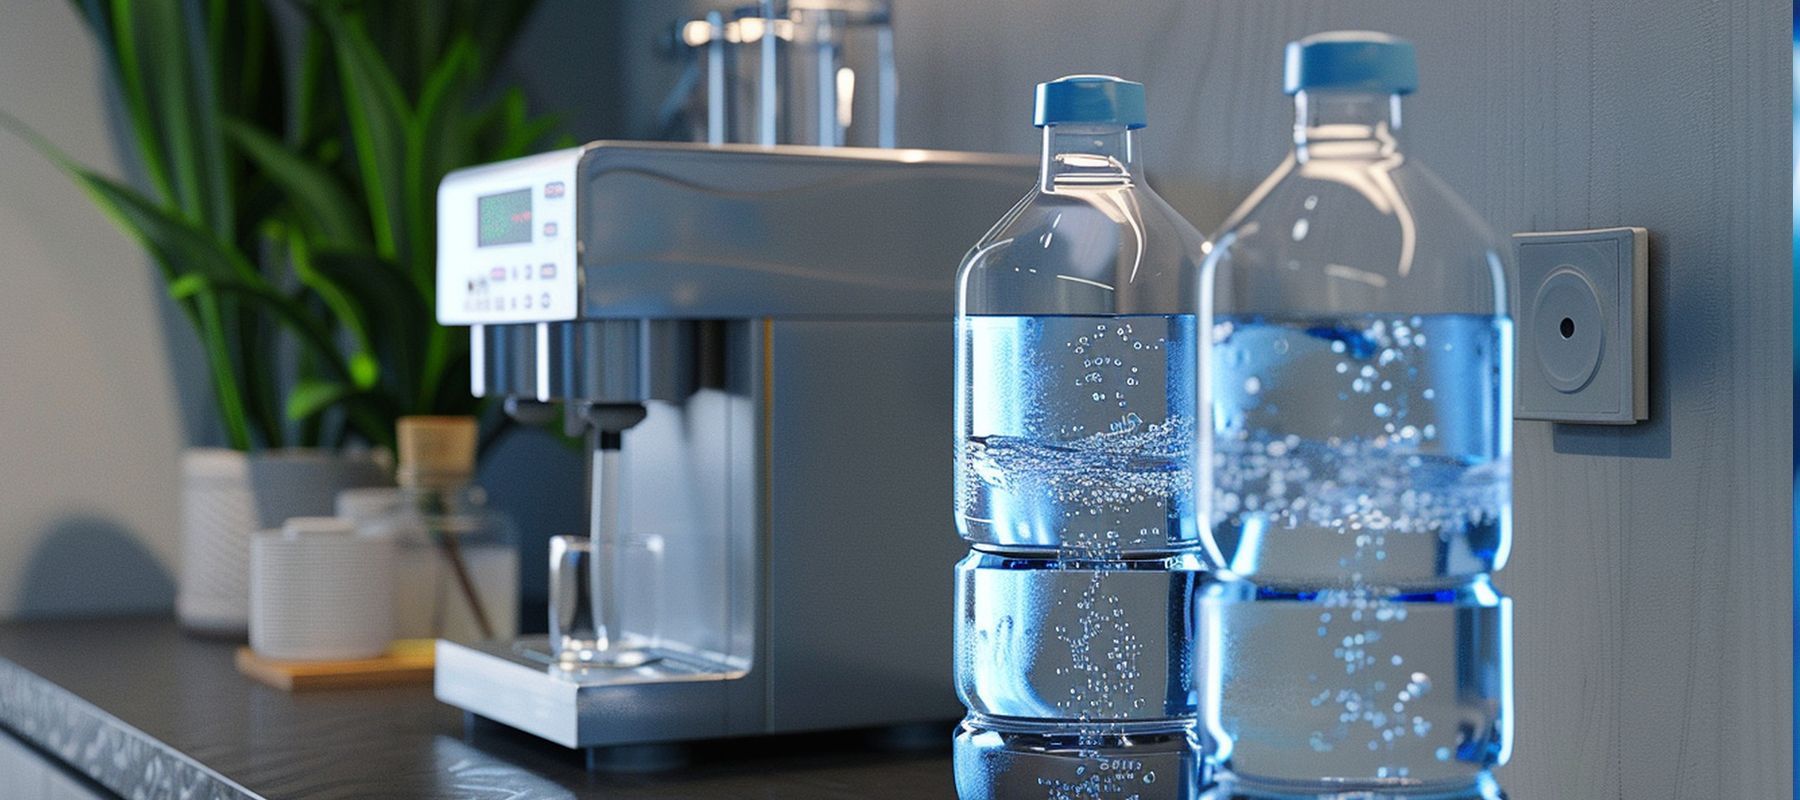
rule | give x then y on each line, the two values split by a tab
144	710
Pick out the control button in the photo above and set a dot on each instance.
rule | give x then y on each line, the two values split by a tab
546	272
553	189
497	274
549	229
528	302
546	303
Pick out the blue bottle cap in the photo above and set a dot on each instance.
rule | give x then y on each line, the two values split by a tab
1100	99
1355	60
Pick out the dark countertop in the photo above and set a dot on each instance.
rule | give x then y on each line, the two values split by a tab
148	711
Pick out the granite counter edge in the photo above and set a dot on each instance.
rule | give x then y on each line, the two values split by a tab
101	746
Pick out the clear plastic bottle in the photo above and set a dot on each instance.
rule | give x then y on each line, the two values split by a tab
457	562
1075	424
1358	468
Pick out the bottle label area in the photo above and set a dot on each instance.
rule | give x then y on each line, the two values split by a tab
1050	640
1076	432
1076	614
1366	451
1356	689
1359	467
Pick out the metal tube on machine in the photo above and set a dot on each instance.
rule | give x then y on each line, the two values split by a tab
605	523
603	527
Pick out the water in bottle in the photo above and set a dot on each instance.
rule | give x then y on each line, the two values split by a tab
1356	480
1075	432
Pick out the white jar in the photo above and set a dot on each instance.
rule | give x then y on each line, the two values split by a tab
321	591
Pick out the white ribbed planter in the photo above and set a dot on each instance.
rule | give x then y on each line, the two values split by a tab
226	496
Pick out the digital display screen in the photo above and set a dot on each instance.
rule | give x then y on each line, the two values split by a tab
504	218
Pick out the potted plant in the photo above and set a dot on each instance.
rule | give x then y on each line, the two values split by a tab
291	213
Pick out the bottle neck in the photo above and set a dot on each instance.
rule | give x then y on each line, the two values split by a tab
1078	156
1345	124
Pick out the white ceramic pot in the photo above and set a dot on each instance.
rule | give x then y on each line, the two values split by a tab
319	591
226	496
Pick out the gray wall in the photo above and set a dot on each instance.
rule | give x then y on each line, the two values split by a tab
90	419
1652	564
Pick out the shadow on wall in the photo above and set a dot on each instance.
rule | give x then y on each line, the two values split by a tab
87	565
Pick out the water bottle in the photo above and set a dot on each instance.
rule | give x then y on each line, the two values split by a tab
1075	426
1357	460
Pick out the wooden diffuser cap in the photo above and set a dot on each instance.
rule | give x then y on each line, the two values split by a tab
435	452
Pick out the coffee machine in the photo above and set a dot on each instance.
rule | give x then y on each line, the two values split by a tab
757	343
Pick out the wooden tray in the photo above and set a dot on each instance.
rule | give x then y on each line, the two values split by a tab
407	663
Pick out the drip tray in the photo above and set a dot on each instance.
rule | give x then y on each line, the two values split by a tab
642	664
673	696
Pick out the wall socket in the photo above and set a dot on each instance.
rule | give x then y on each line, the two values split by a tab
1582	309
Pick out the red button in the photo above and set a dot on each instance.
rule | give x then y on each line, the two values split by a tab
553	189
547	271
549	229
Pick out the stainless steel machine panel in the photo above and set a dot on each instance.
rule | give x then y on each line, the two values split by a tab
760	354
862	543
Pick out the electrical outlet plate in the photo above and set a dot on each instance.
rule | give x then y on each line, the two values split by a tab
1582	309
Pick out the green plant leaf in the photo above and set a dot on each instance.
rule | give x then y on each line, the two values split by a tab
313	193
179	245
445	92
365	370
119	48
385	302
186	256
186	286
331	176
254	350
308	329
311	397
166	52
363	367
175	242
232	407
376	110
249	75
371	417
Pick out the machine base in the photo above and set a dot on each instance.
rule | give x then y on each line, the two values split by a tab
676	697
